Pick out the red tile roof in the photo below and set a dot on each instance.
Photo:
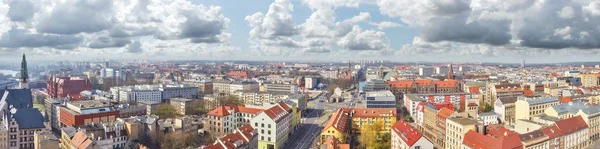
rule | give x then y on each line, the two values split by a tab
552	132
224	110
243	134
447	83
474	90
250	110
528	92
445	113
371	112
275	111
571	125
219	111
566	100
498	138
400	83
332	143
407	133
338	120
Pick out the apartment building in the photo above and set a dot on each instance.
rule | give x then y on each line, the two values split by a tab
280	88
260	98
336	127
525	108
495	137
228	87
424	86
244	137
273	126
505	108
503	90
45	140
456	129
225	119
156	93
589	80
101	135
405	136
590	114
205	87
574	133
180	103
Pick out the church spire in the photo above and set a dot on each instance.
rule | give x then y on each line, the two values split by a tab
24	74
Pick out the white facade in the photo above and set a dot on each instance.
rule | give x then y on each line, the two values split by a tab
269	130
488	118
576	139
153	93
499	109
310	82
426	71
442	70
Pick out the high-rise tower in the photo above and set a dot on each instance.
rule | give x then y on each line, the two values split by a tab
450	72
523	63
24	74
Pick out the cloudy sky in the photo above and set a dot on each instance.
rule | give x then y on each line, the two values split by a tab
398	30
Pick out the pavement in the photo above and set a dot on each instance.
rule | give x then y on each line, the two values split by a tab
307	133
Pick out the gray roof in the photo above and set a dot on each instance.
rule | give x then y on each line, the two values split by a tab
70	131
591	110
28	118
487	113
541	100
507	100
18	98
571	107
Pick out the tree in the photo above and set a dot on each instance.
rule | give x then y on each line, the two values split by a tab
487	108
230	100
372	137
408	118
165	111
196	108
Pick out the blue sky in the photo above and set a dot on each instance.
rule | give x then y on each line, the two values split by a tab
239	27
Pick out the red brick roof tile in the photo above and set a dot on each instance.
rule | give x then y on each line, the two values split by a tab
407	133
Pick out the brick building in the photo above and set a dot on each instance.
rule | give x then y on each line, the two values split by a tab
67	86
77	113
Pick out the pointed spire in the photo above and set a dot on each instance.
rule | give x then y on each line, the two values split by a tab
24	73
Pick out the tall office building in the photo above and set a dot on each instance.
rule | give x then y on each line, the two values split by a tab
523	63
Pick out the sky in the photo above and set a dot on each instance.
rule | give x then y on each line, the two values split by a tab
540	31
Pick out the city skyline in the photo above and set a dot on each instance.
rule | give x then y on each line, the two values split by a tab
302	30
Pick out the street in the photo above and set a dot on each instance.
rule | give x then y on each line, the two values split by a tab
308	131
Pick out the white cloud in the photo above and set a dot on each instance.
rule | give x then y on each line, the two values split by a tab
385	25
121	26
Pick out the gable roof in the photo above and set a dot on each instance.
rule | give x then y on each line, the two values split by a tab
18	98
571	125
338	121
219	111
277	113
552	132
407	133
474	90
28	118
445	113
498	138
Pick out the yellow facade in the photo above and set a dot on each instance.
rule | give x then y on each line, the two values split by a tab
360	122
332	132
524	110
589	80
456	128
